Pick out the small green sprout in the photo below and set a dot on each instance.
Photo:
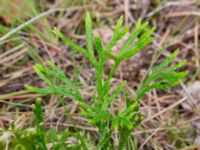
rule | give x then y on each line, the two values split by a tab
98	113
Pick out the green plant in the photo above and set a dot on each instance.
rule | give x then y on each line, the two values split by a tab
37	138
40	132
98	112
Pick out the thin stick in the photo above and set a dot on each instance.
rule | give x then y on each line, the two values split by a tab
183	13
149	138
166	109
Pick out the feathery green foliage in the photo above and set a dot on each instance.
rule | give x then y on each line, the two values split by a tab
98	113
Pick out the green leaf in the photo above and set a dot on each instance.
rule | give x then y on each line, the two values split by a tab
89	36
66	87
39	69
135	33
99	46
162	76
118	25
116	37
145	39
70	43
167	61
113	95
37	109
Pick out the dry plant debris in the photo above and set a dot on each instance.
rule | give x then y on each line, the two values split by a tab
171	121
